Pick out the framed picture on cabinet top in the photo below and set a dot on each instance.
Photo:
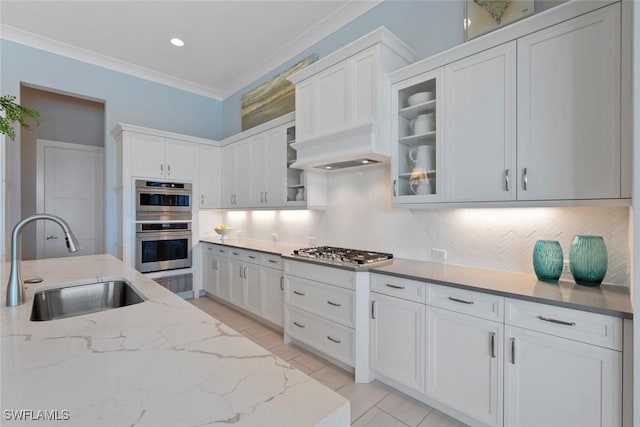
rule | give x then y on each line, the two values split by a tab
484	16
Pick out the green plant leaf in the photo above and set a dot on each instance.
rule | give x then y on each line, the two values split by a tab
15	113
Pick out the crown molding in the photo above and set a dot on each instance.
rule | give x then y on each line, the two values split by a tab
338	19
39	42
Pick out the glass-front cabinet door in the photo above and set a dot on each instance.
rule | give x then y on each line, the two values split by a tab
416	140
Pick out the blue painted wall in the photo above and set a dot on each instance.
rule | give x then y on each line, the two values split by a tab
427	26
127	99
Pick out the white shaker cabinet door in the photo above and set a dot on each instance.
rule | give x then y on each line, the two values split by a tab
252	288
223	265
180	157
480	128
209	177
256	170
210	273
465	364
398	340
569	109
147	156
275	155
236	281
273	295
556	382
242	174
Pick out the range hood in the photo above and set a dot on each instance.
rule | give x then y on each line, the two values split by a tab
343	103
352	148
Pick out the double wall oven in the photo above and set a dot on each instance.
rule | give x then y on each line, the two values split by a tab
163	225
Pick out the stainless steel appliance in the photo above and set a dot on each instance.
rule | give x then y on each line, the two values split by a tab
342	256
163	246
161	201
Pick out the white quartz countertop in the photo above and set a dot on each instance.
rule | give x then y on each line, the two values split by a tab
612	300
162	362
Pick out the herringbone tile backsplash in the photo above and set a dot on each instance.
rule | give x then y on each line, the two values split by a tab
359	215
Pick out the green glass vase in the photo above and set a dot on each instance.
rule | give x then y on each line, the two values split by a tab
588	260
547	260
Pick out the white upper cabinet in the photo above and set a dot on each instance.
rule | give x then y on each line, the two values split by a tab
569	109
342	101
480	126
209	177
162	158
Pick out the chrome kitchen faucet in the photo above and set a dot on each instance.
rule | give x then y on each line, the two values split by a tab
15	287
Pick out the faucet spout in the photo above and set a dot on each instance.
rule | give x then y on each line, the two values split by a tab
15	287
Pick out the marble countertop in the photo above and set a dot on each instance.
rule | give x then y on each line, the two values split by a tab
162	362
612	300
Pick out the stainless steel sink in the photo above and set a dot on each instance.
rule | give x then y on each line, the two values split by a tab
77	300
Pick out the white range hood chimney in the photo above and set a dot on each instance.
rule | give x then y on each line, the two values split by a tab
342	104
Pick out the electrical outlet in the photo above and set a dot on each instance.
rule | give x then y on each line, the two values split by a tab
439	254
311	241
565	266
275	237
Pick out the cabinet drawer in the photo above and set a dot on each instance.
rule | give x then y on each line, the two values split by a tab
591	328
335	340
247	256
216	249
398	287
321	299
273	261
332	275
478	304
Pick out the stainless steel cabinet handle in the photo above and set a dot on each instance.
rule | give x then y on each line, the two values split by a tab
299	325
273	261
169	170
52	237
461	300
221	250
559	322
252	257
334	304
513	351
282	283
266	200
235	253
202	199
493	345
241	272
525	179
245	271
231	198
394	286
333	339
161	169
506	180
299	293
262	197
373	309
395	187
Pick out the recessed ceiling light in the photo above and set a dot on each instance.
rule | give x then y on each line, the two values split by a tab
177	42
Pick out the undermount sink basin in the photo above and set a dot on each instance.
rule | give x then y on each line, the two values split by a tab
82	299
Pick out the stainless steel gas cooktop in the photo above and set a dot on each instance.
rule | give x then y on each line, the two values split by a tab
342	256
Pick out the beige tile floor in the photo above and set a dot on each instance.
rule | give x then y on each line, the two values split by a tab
372	405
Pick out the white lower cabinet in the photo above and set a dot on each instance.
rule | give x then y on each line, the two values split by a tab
465	364
273	295
556	382
250	280
398	340
496	361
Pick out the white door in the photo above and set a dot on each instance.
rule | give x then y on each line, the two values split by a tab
70	184
242	174
557	382
227	178
273	295
224	279
398	340
464	364
147	156
236	275
210	274
275	157
480	93
569	109
253	289
209	182
180	160
256	170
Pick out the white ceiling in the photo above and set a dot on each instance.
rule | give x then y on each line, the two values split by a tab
228	44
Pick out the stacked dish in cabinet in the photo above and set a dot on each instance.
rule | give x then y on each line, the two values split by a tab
295	177
416	137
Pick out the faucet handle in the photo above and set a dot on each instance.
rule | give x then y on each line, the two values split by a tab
52	237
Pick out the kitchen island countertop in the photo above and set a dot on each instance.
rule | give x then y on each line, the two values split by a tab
162	362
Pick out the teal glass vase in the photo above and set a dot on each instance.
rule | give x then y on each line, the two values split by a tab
588	260
547	260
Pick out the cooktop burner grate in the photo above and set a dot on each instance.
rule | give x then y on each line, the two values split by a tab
342	255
